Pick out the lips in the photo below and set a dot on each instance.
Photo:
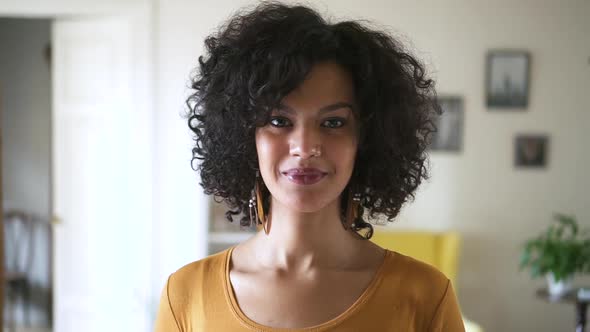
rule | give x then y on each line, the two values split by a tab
305	176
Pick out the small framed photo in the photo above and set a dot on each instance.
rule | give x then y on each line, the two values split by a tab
449	134
531	151
507	79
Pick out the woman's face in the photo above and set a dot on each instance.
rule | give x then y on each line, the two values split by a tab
307	151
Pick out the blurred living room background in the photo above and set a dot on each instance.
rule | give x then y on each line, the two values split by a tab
100	203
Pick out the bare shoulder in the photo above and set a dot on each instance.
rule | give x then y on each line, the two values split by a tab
241	259
374	255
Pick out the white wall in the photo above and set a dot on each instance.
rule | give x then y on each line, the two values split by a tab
477	192
181	209
25	93
55	8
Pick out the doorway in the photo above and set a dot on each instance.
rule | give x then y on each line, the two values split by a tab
25	63
100	159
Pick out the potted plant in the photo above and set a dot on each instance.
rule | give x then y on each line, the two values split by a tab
558	253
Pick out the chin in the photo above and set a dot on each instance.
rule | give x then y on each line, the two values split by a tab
306	202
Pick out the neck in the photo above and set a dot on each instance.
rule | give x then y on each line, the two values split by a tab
300	241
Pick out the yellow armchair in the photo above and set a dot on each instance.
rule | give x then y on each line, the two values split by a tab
440	250
437	249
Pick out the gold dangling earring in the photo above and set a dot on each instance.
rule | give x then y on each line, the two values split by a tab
253	209
262	218
352	209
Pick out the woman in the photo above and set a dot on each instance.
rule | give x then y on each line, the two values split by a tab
302	127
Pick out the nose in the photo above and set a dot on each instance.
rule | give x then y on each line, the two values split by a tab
305	143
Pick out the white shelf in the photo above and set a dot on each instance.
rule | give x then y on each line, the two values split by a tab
229	237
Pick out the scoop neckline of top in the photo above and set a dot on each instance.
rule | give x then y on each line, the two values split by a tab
245	320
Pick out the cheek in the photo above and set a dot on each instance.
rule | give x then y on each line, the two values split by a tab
347	147
349	152
267	148
341	152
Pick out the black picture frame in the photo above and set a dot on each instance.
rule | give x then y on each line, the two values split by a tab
531	151
508	79
449	134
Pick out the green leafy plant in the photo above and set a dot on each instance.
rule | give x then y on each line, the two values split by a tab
562	250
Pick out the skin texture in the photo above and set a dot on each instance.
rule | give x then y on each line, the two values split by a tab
309	269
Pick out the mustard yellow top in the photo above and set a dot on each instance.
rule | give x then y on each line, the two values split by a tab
404	295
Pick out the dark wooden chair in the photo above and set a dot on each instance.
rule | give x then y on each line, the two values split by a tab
19	240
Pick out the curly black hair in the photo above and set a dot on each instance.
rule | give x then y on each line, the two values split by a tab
260	55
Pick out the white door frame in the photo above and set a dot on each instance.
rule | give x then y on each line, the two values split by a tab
140	14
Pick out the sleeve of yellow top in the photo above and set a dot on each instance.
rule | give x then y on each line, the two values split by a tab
166	321
447	317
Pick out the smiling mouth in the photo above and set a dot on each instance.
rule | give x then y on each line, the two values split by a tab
304	177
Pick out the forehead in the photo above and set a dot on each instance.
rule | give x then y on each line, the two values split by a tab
327	83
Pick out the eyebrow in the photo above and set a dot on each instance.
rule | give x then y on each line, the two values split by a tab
325	109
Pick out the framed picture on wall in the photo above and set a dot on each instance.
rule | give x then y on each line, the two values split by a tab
449	134
531	151
507	79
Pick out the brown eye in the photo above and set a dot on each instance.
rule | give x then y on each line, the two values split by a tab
279	122
333	123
